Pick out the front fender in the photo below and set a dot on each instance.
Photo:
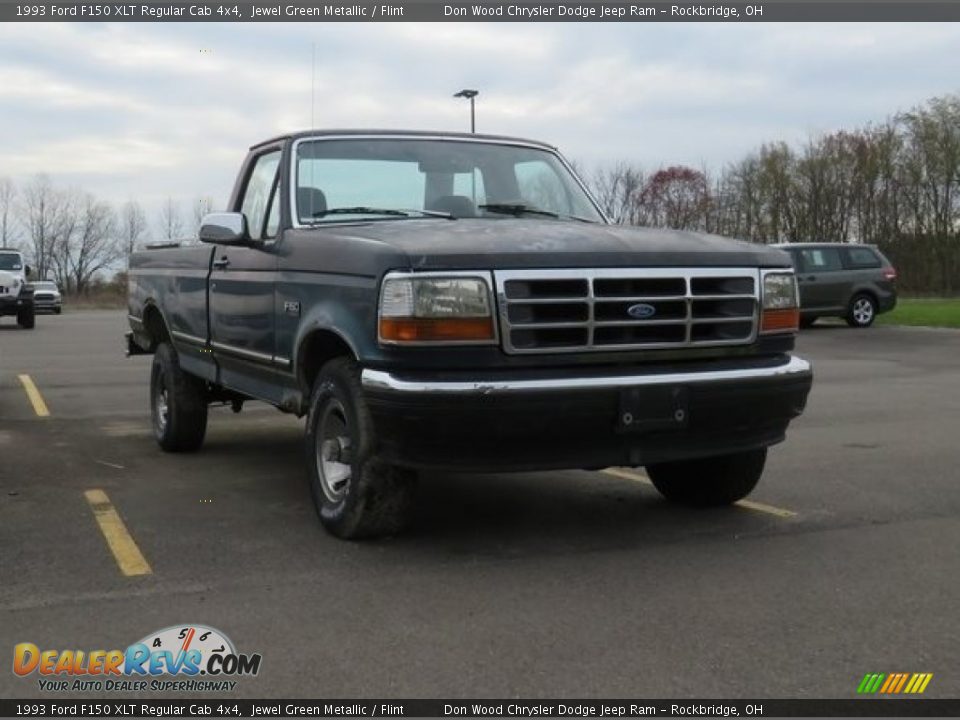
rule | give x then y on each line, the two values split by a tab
347	309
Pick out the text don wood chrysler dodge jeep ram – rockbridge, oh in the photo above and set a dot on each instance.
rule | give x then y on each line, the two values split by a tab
437	300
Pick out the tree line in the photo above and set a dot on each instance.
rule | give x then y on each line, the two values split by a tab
895	184
71	236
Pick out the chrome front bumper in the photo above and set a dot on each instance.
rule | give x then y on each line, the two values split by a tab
385	382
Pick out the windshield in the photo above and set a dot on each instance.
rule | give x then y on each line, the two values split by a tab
10	261
45	286
396	179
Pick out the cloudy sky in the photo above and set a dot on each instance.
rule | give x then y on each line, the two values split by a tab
148	111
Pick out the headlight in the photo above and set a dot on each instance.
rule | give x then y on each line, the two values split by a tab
781	310
436	309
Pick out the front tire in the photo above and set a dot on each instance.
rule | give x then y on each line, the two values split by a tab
862	311
356	495
178	403
709	482
26	317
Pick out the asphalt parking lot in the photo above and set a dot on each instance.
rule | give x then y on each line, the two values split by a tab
562	584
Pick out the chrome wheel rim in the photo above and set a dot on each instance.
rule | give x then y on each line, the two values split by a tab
863	311
161	411
334	452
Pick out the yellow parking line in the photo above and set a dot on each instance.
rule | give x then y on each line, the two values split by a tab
628	475
748	504
769	509
121	544
36	399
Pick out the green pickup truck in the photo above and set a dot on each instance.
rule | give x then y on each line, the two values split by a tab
441	300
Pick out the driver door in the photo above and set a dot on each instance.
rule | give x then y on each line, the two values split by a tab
242	287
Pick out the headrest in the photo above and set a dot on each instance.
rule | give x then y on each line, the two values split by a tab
310	200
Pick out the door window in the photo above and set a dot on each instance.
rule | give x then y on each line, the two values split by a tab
258	193
821	259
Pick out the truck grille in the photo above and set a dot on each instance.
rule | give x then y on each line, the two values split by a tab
626	308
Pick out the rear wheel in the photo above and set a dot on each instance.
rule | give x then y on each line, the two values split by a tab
26	317
178	403
356	494
709	481
862	311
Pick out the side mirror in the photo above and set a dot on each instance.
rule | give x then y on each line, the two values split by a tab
27	270
224	229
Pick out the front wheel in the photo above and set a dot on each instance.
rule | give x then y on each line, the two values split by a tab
178	403
862	311
356	494
711	481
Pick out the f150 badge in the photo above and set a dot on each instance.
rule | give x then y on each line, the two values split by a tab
291	307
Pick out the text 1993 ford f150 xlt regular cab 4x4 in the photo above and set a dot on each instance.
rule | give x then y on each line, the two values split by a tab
459	301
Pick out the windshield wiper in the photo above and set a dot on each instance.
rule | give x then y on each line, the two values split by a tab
359	210
519	209
391	212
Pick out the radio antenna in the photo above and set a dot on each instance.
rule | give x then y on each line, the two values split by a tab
313	85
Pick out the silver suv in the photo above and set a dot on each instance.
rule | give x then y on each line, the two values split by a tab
854	282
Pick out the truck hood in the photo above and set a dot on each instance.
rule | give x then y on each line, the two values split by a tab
436	244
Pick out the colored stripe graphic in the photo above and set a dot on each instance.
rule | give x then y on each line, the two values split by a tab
870	683
894	683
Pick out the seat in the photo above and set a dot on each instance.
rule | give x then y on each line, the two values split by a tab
310	201
457	205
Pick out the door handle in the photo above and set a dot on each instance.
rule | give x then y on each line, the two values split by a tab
221	263
810	277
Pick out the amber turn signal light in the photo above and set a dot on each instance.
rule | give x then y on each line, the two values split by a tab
436	329
781	320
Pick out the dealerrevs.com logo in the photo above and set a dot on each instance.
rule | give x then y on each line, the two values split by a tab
178	658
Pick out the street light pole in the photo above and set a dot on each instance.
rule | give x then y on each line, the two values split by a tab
470	95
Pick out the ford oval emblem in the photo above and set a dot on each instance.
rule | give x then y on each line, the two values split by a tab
641	311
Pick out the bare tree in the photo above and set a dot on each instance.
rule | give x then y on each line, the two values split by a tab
93	246
47	215
202	206
616	189
133	226
8	194
170	220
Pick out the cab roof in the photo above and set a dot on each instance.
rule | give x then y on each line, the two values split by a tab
400	133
